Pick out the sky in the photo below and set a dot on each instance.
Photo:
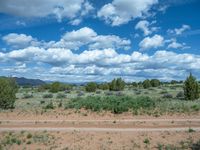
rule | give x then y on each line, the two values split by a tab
90	40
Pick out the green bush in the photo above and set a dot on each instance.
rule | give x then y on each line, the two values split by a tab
103	86
114	104
57	86
180	95
49	106
146	84
8	89
61	95
155	83
91	87
27	96
191	88
134	84
48	95
117	85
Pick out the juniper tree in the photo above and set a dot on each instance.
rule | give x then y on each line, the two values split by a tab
117	84
8	90
191	88
146	84
91	87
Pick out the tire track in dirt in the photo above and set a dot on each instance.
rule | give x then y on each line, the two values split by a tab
100	129
126	125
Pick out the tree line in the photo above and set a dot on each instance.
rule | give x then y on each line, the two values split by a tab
9	88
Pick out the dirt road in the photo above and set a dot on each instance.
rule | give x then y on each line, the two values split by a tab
132	125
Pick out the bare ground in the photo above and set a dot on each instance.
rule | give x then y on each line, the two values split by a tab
100	130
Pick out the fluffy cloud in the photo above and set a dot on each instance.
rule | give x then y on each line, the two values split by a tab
88	37
122	11
152	42
179	31
99	65
60	9
71	40
175	45
18	39
144	26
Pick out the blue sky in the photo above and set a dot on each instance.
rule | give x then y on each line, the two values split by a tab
90	40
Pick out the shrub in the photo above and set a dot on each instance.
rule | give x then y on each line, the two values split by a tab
196	146
146	84
103	86
48	95
8	89
146	141
67	91
138	92
163	92
114	104
119	94
108	93
55	87
91	87
60	104
49	106
155	83
29	135
43	87
167	96
117	85
26	96
42	102
134	84
98	92
61	95
191	88
80	93
180	95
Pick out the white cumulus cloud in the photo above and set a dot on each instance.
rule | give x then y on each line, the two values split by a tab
144	26
152	42
122	11
44	8
179	31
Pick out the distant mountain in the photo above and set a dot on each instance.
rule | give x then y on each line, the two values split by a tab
24	81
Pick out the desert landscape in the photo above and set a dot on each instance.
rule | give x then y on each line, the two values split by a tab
99	75
64	116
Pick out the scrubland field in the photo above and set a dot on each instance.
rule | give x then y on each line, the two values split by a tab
132	118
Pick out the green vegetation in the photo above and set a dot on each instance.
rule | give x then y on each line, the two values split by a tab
54	87
183	145
49	105
191	88
103	86
8	90
146	84
146	141
116	96
48	95
117	85
27	95
191	130
17	140
61	96
114	104
91	87
155	83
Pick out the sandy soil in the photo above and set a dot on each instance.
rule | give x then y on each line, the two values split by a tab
108	140
100	131
62	114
